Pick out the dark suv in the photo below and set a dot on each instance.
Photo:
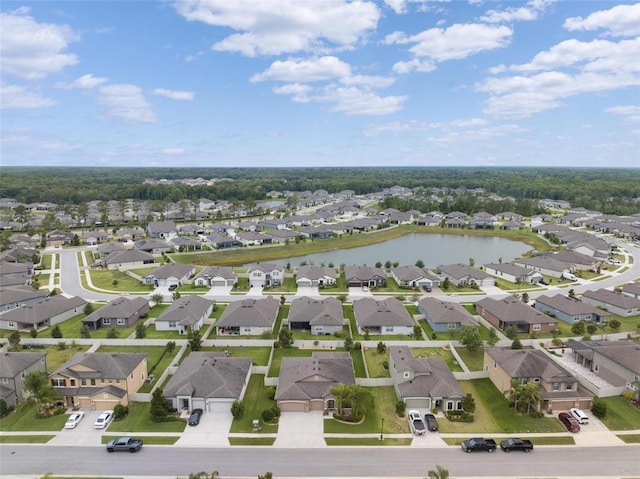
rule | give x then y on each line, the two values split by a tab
569	422
194	419
430	421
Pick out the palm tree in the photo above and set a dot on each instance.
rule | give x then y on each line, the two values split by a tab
532	396
439	473
360	398
341	392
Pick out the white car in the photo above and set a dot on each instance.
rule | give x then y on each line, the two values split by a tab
103	420
73	420
579	415
416	423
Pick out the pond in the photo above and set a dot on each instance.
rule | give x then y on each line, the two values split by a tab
432	249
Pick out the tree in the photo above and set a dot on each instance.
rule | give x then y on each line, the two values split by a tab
469	403
438	473
285	337
445	284
341	393
204	475
493	337
237	409
141	331
615	325
56	332
112	333
348	344
511	332
85	332
37	383
360	398
578	328
381	348
14	340
266	475
417	332
194	339
516	344
420	263
572	293
591	329
470	338
599	408
160	406
525	297
157	298
88	309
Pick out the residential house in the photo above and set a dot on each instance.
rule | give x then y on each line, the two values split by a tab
578	261
209	381
220	241
185	313
410	276
162	229
571	310
444	316
128	259
358	276
105	249
130	234
313	276
222	229
560	389
509	311
100	380
546	265
249	316
513	273
20	255
185	243
465	275
616	303
423	383
305	384
170	274
252	238
320	316
59	238
118	313
631	289
281	236
483	220
12	297
154	246
382	316
46	312
215	276
92	238
265	274
192	230
14	367
617	362
316	232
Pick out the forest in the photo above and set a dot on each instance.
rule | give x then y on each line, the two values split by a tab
609	190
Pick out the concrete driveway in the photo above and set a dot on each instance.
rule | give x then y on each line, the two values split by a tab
83	434
213	430
301	429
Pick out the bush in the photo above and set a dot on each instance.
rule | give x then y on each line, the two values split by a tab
459	416
401	407
271	393
599	408
385	364
357	345
56	332
237	409
4	408
112	333
120	411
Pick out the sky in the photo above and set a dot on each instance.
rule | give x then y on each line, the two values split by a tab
315	83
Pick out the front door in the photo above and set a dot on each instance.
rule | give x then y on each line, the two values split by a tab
185	404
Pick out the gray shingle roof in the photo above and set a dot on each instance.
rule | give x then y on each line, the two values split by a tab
371	312
314	272
250	312
440	311
118	308
12	363
128	256
101	365
169	270
363	273
225	272
186	310
321	312
512	310
44	309
611	297
570	306
209	375
460	270
529	363
408	273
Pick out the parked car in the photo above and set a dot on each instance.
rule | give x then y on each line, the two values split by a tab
579	415
426	288
543	282
416	424
430	420
194	419
516	444
479	444
73	420
569	422
365	289
103	420
124	444
173	287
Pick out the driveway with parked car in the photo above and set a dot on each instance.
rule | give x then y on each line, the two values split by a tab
212	430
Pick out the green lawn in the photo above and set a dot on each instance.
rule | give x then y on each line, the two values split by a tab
629	438
47	260
156	440
23	419
375	362
71	328
474	361
252	441
367	441
305	334
621	415
259	354
104	279
445	354
384	401
493	414
288	286
30	439
358	363
255	401
139	420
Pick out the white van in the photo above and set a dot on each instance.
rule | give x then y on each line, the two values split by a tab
580	415
569	276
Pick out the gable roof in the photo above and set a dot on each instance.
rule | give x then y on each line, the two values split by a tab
129	256
611	297
529	363
44	309
12	364
312	378
570	306
326	311
118	308
101	365
250	312
209	375
512	310
363	272
408	273
440	311
265	267
460	270
370	312
312	272
169	270
225	272
17	294
186	310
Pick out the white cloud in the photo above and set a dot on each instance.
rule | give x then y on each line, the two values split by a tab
620	21
630	112
285	26
85	82
357	101
304	71
174	94
420	126
127	102
299	93
398	6
32	50
454	43
18	97
414	65
531	11
567	69
172	151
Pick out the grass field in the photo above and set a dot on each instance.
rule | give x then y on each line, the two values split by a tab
252	441
445	354
139	420
367	441
474	361
375	362
621	415
24	419
30	439
255	401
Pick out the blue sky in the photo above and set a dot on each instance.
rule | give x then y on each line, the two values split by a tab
246	83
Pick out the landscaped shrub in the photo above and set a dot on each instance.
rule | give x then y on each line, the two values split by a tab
267	415
385	364
357	345
599	408
56	332
401	407
271	393
4	408
237	409
459	416
120	411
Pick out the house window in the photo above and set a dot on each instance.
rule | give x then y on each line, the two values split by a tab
388	329
319	329
83	382
72	382
22	375
11	324
587	317
537	327
246	330
536	380
173	324
452	325
58	382
568	386
121	322
93	382
449	405
555	386
106	321
406	375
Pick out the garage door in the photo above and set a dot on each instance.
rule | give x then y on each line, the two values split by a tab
304	284
418	403
219	406
293	406
197	404
220	282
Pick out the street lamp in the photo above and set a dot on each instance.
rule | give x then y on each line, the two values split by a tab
382	429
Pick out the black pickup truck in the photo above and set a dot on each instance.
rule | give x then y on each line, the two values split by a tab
516	444
479	444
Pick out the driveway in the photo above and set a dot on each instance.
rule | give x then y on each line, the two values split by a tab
213	430
83	434
301	429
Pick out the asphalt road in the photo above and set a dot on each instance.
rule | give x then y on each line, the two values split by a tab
388	462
